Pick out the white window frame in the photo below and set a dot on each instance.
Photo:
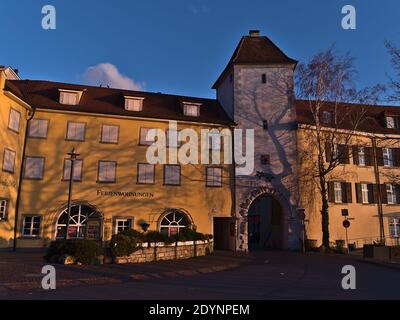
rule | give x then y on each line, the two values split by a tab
213	180
126	224
338	192
14	120
175	180
74	136
41	128
364	193
8	161
3	209
143	175
31	227
391	122
112	171
107	134
133	103
144	141
78	170
361	156
394	225
387	157
191	109
391	194
40	165
70	98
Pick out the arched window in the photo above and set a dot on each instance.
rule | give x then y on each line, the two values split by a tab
173	222
77	223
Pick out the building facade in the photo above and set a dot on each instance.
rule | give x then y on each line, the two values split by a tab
116	188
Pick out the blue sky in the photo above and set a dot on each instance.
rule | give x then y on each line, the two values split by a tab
181	46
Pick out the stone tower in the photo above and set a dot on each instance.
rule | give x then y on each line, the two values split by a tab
256	90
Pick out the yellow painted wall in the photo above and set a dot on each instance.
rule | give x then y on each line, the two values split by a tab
46	197
9	181
365	226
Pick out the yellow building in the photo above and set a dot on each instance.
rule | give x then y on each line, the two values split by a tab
366	182
114	187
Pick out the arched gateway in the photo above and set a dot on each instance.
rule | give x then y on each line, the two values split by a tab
262	220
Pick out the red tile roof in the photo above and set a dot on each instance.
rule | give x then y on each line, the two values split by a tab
371	116
101	100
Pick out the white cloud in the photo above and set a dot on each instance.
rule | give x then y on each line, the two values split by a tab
107	74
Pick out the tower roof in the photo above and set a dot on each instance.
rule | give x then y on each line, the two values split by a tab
255	49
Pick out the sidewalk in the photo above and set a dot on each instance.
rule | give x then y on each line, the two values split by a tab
22	271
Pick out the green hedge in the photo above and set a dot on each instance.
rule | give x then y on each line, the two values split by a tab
84	251
123	244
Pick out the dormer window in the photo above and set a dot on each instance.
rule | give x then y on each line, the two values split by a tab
191	109
70	97
391	122
133	103
326	117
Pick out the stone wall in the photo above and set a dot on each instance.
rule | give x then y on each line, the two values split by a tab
160	251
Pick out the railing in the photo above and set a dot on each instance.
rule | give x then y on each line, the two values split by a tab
360	242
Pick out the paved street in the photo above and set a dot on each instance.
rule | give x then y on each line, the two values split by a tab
269	275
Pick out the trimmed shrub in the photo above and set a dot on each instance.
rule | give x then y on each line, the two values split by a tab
84	251
156	236
133	234
123	245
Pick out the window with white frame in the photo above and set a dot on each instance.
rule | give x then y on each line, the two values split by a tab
78	166
214	140
391	194
31	226
38	128
14	120
364	193
69	98
133	104
143	137
214	177
338	192
34	168
122	224
107	171
76	131
361	156
109	133
172	136
145	173
394	227
191	110
8	160
172	175
387	157
391	122
173	222
3	209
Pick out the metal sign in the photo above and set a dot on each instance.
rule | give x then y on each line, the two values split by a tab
346	224
345	212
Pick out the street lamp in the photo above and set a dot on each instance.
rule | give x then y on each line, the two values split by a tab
72	157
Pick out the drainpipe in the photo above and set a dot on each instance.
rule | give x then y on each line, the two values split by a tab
377	181
21	170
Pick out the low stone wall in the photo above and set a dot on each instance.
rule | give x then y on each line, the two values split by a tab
161	251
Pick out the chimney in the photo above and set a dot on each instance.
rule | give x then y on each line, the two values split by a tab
254	33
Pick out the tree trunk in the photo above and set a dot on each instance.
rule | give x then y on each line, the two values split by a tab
324	212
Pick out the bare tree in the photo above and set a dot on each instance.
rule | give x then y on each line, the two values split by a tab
394	82
326	86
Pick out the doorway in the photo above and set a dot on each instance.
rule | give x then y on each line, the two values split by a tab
265	224
222	227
